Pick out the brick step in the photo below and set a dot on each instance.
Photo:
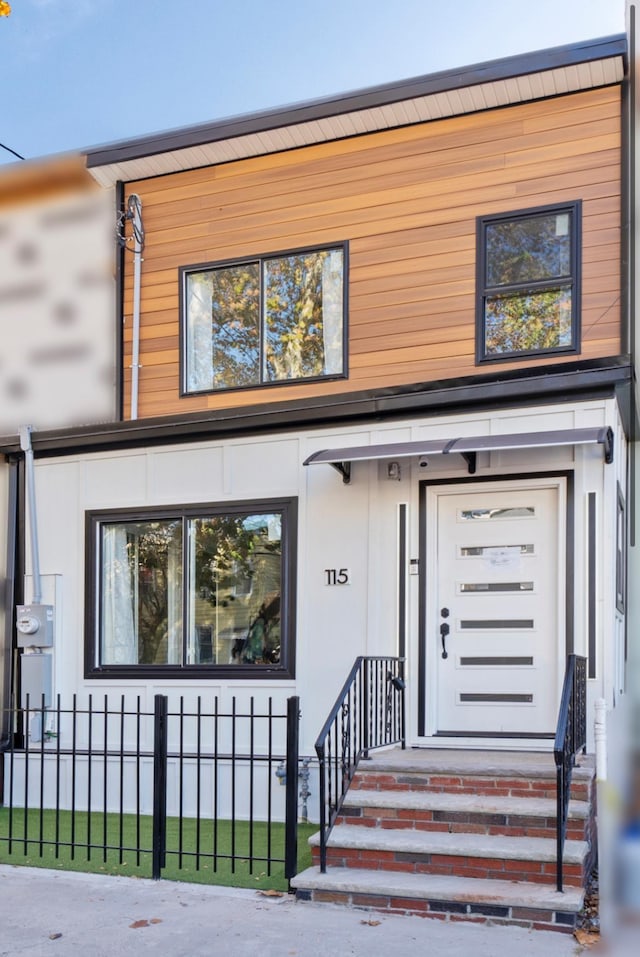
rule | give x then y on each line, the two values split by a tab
492	774
447	760
529	859
458	813
487	786
529	905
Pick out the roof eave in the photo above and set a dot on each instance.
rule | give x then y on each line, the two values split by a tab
441	82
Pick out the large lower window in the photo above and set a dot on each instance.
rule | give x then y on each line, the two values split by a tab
193	588
272	319
528	283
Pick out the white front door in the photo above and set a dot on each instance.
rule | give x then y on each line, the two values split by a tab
495	607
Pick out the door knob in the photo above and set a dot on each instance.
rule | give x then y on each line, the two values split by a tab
444	631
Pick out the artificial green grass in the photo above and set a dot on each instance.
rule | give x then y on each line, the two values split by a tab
48	839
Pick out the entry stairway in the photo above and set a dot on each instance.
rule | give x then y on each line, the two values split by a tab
458	835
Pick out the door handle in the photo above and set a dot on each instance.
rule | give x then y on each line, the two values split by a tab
444	631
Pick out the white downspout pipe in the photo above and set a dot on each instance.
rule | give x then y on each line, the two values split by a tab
134	213
600	735
606	814
25	445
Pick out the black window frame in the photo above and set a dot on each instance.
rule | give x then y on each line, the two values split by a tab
260	258
95	519
573	282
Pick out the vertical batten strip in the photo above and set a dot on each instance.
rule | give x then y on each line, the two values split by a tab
402	583
591	583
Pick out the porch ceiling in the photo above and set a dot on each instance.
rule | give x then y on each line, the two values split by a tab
341	458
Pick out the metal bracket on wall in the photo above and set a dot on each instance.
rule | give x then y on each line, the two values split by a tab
344	468
470	459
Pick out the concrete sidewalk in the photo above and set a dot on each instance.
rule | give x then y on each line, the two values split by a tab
45	913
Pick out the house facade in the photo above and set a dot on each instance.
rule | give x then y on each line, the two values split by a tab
373	397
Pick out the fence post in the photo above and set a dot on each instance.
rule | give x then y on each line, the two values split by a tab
160	714
291	799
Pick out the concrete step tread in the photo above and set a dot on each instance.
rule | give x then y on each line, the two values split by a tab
410	841
511	764
460	803
439	887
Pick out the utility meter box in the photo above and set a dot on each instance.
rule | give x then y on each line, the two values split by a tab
34	624
35	680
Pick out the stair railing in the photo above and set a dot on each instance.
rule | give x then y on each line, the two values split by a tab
571	737
368	714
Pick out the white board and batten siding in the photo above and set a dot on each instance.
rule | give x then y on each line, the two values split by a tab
352	527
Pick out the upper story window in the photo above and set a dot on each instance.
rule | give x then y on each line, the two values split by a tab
176	590
265	320
528	283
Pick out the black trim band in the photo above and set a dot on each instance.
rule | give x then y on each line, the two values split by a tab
119	264
11	595
530	386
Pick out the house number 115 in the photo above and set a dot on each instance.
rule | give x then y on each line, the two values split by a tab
336	576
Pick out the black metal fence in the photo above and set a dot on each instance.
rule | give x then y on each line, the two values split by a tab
192	784
571	737
368	713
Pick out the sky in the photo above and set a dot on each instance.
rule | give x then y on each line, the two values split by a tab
80	73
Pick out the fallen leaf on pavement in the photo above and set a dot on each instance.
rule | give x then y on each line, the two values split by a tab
370	923
586	939
271	893
139	923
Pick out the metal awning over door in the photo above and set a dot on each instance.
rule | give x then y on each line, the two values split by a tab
467	447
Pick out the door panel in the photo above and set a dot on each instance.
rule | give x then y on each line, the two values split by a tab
496	614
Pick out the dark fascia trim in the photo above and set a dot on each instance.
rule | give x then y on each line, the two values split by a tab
533	386
372	97
11	593
624	393
628	257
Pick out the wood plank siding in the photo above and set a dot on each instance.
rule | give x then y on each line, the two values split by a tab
406	201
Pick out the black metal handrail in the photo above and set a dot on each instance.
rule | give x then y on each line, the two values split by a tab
368	714
571	737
